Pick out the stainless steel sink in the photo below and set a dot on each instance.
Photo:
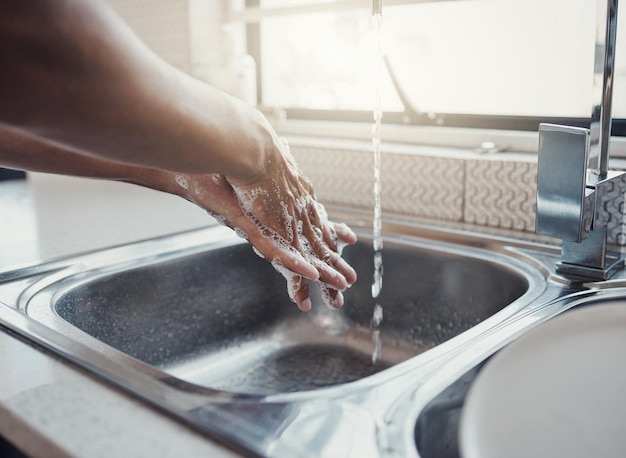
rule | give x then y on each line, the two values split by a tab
222	319
438	405
198	325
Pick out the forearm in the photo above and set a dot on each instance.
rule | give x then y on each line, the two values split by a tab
20	152
74	74
81	95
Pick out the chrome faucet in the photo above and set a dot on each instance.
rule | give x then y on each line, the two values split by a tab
577	196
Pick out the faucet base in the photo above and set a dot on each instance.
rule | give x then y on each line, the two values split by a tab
591	259
590	273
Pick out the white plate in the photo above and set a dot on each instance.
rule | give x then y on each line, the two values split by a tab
557	391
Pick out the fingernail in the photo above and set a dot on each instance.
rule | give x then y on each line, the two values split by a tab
338	302
305	305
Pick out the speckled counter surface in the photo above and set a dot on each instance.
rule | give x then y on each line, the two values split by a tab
49	408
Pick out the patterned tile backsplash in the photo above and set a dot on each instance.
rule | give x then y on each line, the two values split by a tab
500	193
482	192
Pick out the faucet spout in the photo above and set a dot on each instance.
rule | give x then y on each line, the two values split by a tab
604	70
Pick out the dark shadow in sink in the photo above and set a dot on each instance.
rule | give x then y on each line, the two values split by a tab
437	427
222	318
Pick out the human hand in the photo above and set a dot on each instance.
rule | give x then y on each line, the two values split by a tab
156	126
283	206
285	224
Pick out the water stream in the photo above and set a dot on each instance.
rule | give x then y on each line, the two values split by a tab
377	282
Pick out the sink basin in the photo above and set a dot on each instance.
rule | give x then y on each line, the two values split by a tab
200	327
221	318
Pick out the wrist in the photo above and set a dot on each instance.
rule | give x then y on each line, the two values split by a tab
257	147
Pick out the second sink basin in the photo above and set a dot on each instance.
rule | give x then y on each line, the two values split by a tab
219	316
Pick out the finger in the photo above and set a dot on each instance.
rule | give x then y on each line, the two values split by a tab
332	298
297	287
338	300
326	260
329	276
296	263
302	297
344	233
289	258
344	268
338	235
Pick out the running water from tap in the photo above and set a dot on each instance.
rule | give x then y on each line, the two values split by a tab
377	282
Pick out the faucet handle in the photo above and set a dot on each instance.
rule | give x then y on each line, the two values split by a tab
564	202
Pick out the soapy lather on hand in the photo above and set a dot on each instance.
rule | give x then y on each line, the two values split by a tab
82	95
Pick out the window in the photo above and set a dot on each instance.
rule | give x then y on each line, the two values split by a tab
482	63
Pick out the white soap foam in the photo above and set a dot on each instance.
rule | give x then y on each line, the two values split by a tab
258	253
294	281
219	218
247	199
240	233
182	182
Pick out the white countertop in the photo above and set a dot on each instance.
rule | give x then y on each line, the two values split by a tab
51	408
51	216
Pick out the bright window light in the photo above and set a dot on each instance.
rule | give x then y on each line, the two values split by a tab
485	57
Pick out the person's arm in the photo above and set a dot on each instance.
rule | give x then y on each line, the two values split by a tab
77	79
211	192
73	73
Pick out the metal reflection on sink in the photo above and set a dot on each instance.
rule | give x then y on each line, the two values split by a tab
221	318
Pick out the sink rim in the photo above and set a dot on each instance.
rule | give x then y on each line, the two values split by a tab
37	301
509	330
